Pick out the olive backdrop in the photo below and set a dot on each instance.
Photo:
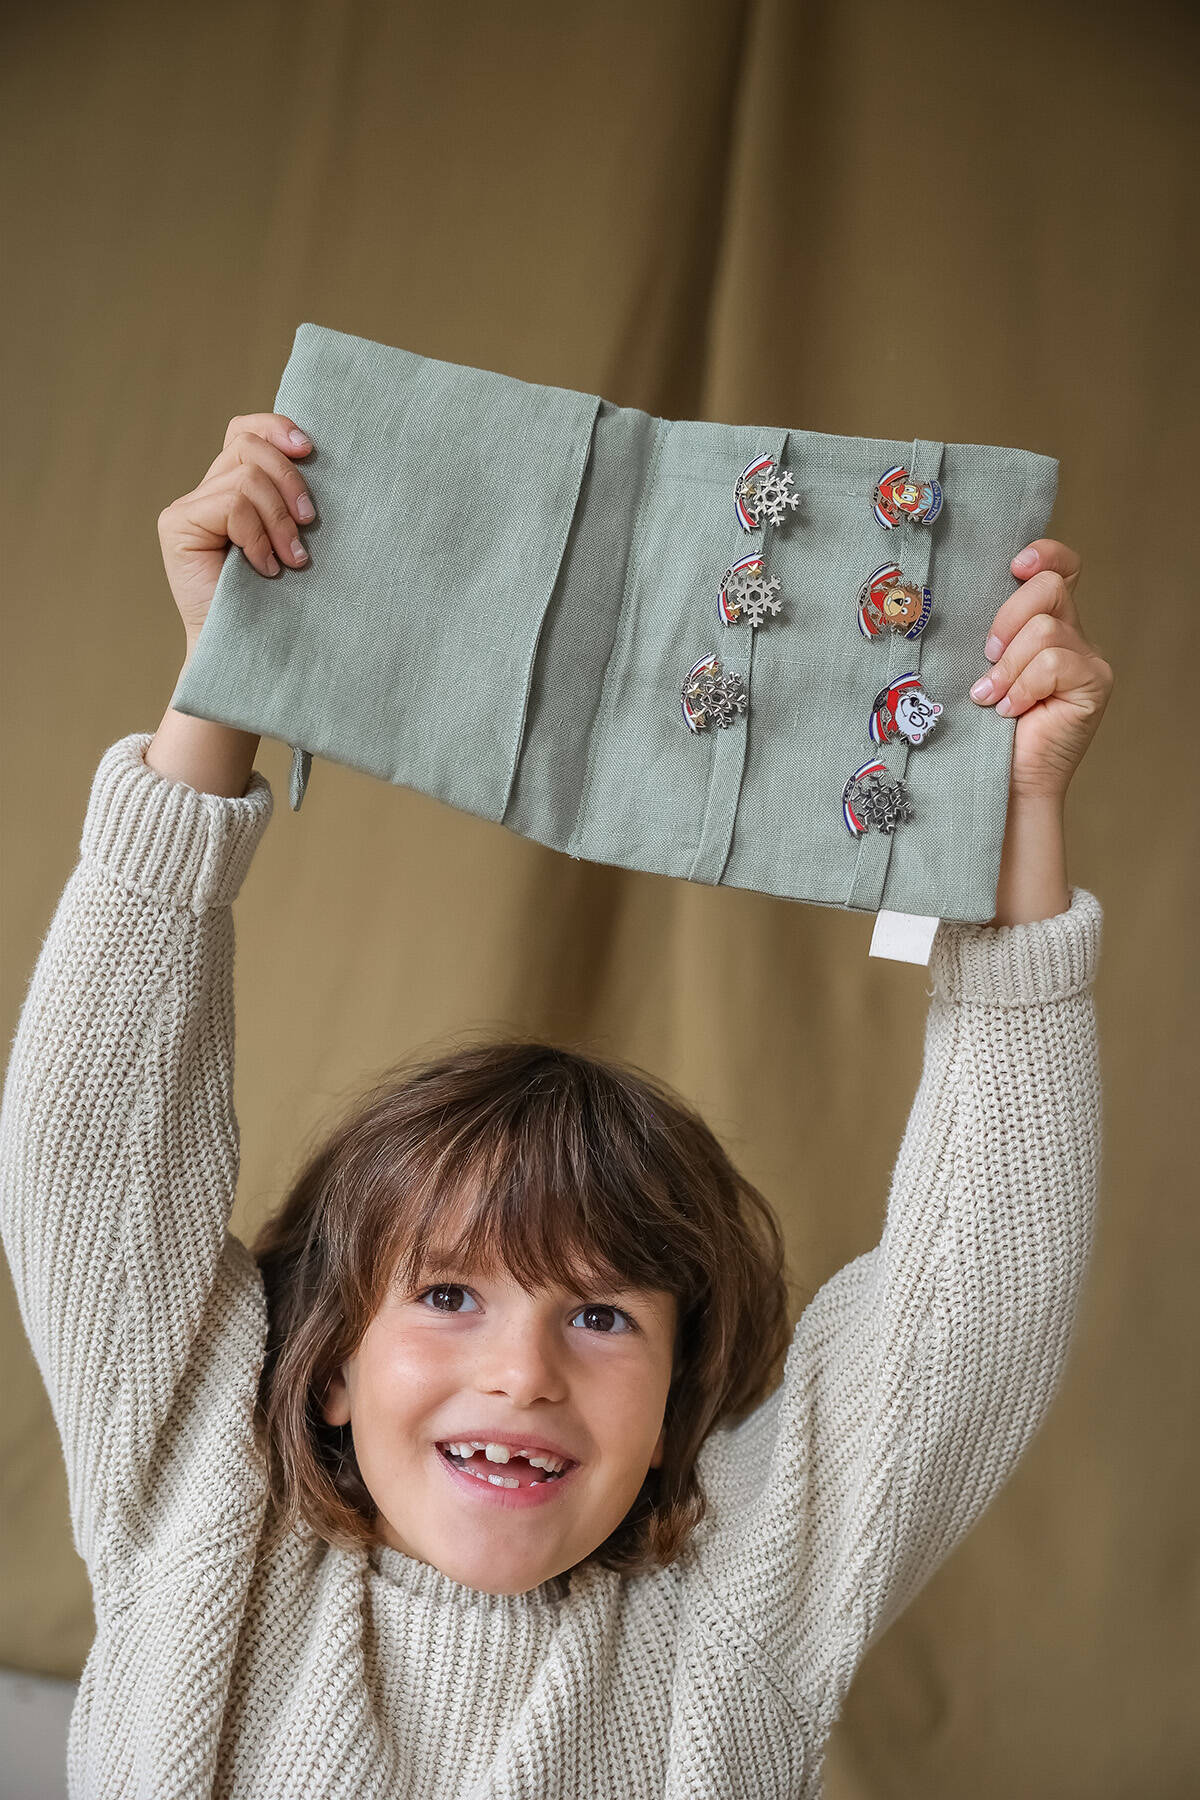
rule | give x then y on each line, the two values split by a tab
966	223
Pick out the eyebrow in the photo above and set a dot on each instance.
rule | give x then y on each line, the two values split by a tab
434	1264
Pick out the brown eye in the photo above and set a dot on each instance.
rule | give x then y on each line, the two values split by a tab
440	1301
605	1315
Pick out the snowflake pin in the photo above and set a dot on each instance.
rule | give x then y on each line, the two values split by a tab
747	594
873	796
712	696
763	497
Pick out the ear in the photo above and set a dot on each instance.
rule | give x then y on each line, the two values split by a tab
335	1407
656	1459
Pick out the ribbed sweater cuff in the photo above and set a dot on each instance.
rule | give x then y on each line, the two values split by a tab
1019	965
165	838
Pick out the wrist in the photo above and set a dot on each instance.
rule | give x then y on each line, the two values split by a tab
1033	881
208	756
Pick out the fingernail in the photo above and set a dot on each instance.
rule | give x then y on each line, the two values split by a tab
298	438
304	507
272	566
1004	706
993	649
298	550
982	689
1026	559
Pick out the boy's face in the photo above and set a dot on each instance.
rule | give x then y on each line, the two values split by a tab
467	1357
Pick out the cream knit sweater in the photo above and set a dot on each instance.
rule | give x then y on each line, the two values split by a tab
914	1380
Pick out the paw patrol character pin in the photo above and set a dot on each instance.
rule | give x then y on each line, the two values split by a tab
903	709
887	602
761	497
712	696
897	498
873	796
745	595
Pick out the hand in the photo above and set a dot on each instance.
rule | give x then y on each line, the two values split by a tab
251	496
1046	674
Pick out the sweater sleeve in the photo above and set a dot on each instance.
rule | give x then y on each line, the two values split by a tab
918	1373
118	1165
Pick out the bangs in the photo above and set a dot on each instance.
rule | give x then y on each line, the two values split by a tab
561	1170
536	1190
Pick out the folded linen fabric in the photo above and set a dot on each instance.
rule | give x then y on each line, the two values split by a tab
729	653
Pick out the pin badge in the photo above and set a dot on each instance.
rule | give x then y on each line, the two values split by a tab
886	601
745	594
761	497
873	796
897	498
712	696
903	709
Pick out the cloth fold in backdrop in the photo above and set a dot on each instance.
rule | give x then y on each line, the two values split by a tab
509	582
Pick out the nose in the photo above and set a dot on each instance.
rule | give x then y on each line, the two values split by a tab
521	1360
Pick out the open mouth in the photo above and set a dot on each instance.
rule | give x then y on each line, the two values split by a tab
517	1472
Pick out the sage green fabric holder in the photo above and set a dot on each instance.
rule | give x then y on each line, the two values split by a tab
508	583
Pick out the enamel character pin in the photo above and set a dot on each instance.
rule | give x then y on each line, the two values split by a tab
887	602
712	696
897	498
873	796
761	497
903	709
745	595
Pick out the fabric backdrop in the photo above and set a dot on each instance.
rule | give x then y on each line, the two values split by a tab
967	223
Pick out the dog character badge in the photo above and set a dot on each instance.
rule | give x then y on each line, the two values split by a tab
887	602
897	498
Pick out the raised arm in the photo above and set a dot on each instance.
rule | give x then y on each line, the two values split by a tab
919	1372
119	1142
118	1138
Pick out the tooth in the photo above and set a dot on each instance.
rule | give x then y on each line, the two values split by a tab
496	1453
503	1481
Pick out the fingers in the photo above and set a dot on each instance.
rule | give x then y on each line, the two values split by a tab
1048	553
1048	587
246	447
277	428
1048	655
264	496
259	520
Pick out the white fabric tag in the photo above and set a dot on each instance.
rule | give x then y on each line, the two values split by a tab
905	937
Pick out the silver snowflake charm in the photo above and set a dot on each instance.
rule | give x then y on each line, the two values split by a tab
873	796
762	496
747	594
712	696
760	600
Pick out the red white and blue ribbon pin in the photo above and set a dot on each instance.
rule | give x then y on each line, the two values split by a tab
746	487
712	696
762	497
693	711
874	796
744	594
888	602
897	498
903	709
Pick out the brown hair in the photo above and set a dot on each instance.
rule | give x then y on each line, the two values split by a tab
556	1166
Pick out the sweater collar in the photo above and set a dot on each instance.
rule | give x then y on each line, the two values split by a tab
422	1581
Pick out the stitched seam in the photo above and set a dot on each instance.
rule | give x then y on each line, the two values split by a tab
589	438
609	678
